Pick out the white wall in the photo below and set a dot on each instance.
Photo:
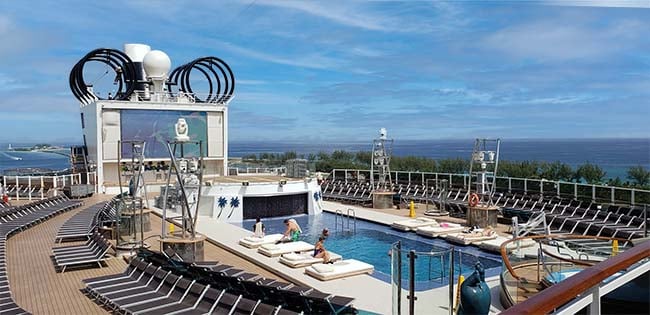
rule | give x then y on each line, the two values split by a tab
215	134
90	130
211	195
111	133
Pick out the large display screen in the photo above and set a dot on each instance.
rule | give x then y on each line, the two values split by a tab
156	127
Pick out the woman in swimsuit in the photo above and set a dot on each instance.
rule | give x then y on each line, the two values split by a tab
320	251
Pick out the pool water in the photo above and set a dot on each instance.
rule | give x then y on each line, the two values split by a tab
372	243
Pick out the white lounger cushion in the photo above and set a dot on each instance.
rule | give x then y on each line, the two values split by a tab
470	238
495	244
254	241
339	269
294	260
442	229
323	268
273	250
412	224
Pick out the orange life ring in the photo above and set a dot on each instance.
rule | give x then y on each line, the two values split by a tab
473	200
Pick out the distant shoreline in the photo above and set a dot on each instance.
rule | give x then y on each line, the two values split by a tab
64	145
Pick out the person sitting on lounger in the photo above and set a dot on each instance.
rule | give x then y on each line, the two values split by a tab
292	233
320	251
258	228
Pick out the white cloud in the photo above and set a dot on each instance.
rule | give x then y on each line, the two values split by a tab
311	60
566	39
251	82
341	14
600	3
370	16
7	83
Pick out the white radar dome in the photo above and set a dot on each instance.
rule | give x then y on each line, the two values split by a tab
136	51
157	64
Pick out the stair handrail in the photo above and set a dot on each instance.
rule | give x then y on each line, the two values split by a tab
585	281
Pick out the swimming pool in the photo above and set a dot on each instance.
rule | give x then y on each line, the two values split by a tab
372	242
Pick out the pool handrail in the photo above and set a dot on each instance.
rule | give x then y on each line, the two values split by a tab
504	246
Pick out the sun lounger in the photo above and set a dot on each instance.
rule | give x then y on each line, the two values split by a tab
440	229
96	257
494	245
413	224
177	295
102	288
129	272
162	292
339	269
273	250
189	301
294	260
474	238
153	284
255	242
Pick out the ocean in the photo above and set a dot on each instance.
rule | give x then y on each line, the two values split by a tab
615	156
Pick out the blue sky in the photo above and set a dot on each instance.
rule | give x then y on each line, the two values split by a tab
340	70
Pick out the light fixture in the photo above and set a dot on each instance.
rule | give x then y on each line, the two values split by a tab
283	182
245	183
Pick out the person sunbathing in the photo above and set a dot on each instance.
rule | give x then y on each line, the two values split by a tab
321	252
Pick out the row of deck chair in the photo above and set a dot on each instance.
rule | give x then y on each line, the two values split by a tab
25	190
283	295
575	216
145	288
15	220
7	304
597	222
83	224
352	192
94	251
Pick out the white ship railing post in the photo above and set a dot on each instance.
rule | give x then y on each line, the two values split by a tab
29	188
17	189
42	187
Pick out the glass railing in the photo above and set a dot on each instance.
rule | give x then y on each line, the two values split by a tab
426	282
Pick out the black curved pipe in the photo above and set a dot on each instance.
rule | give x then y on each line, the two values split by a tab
179	79
119	62
221	80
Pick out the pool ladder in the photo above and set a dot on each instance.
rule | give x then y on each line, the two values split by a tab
349	216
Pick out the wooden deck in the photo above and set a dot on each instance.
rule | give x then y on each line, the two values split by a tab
40	289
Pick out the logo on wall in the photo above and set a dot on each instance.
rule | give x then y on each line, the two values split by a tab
234	203
221	203
317	195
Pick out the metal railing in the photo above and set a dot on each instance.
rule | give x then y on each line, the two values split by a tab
256	170
586	288
181	98
594	192
36	187
400	256
349	216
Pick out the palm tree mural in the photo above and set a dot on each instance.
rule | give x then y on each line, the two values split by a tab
221	203
234	203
